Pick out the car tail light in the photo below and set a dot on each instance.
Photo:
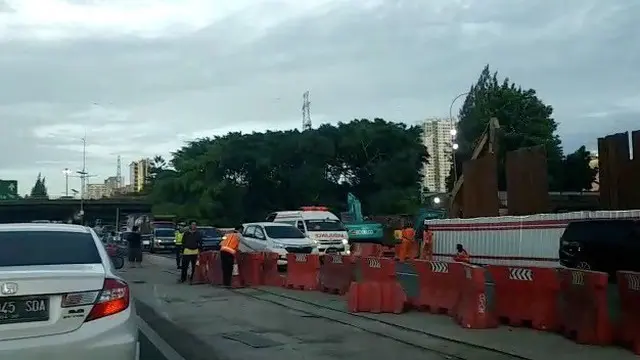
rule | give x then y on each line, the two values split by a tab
112	299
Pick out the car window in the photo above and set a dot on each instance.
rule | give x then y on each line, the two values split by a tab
23	248
249	231
324	225
597	230
300	226
271	217
259	234
283	232
211	232
164	233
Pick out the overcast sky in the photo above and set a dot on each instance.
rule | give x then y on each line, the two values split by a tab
142	76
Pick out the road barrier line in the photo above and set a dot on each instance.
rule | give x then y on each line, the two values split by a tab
163	347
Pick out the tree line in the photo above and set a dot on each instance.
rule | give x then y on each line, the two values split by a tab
241	177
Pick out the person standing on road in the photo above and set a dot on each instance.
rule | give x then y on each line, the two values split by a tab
192	243
462	255
228	249
134	241
178	244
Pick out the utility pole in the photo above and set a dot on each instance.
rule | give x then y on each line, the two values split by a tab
83	175
306	111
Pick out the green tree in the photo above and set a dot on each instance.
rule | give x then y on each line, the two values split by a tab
39	189
578	174
242	177
524	121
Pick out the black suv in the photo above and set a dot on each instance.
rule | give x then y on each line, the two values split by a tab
601	245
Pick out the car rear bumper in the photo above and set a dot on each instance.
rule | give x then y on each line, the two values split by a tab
113	337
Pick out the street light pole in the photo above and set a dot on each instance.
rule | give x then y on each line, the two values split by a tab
454	133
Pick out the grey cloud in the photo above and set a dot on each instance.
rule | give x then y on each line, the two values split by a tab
403	60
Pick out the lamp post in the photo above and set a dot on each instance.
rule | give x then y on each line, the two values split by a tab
454	133
66	173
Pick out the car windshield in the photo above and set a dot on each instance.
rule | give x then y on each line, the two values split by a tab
324	225
23	248
164	233
283	232
211	232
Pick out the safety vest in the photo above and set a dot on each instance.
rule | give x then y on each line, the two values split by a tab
178	239
230	243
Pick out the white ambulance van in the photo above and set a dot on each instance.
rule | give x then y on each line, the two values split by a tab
318	224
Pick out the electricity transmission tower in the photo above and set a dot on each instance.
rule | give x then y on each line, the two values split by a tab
306	112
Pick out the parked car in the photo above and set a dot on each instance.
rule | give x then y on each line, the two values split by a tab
276	237
211	237
65	300
601	245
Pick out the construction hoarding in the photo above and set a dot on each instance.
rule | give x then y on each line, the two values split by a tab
480	190
527	181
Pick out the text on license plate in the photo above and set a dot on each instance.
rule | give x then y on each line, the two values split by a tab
23	309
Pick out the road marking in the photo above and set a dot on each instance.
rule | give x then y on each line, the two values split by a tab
165	349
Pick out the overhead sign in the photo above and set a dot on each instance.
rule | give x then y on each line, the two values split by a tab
9	190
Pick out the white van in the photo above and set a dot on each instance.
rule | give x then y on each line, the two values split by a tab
319	224
278	238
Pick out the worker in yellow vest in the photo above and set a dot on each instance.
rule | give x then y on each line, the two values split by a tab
178	244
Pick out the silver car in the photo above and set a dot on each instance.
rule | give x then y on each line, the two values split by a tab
60	297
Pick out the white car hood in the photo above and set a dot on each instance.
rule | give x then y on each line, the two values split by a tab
294	242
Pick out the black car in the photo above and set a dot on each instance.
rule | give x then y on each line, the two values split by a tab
601	245
211	237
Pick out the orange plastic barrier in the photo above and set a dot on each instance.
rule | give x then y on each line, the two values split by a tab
271	275
303	271
215	273
629	289
250	266
378	291
439	290
526	296
584	313
203	267
365	250
472	310
336	273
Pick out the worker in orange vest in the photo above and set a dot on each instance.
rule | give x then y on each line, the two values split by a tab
462	255
407	240
228	249
427	244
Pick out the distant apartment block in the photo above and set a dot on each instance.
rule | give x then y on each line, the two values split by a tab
109	188
436	136
138	173
97	191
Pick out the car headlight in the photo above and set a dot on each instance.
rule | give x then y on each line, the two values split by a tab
278	245
345	242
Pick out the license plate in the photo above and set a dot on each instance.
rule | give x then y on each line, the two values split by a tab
23	309
331	251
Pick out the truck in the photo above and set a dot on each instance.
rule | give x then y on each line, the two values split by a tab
162	233
359	229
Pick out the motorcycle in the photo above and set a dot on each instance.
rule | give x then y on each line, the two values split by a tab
117	255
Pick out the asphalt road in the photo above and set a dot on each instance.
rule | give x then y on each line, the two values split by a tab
148	351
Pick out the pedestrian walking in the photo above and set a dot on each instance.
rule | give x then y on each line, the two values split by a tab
191	243
134	241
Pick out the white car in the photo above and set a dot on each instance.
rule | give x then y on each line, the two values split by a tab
60	297
279	238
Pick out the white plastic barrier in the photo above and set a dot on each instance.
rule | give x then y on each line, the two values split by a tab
511	240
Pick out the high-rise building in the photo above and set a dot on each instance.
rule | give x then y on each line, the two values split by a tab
97	191
436	136
138	173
